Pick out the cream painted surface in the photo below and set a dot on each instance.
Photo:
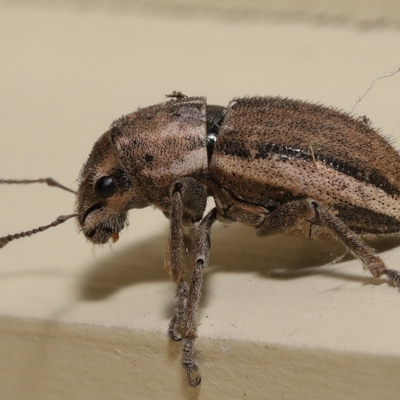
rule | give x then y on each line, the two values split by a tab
364	14
90	323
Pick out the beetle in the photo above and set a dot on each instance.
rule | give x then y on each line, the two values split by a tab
276	164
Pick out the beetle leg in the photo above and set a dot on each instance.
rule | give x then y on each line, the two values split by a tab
173	260
284	217
289	214
352	241
189	199
201	250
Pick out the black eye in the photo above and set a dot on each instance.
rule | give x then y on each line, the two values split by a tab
104	187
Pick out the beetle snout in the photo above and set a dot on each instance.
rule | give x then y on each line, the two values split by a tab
99	227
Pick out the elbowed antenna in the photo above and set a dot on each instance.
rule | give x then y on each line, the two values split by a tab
59	220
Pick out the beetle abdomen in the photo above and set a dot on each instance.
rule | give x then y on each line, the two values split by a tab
273	150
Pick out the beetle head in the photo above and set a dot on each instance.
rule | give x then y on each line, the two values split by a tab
105	194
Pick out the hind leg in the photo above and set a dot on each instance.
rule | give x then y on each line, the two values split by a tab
288	215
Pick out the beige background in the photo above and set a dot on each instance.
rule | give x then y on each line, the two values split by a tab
78	322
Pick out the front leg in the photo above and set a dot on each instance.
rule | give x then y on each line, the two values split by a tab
172	261
201	250
289	214
188	201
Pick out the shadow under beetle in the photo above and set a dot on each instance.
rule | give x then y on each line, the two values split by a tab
280	165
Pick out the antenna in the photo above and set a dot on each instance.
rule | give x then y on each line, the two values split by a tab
48	181
59	220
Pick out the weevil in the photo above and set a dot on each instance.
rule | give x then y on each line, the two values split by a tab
276	164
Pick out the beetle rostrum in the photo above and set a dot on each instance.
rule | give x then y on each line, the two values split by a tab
279	165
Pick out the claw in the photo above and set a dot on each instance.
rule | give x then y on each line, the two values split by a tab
194	378
394	276
174	335
172	332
